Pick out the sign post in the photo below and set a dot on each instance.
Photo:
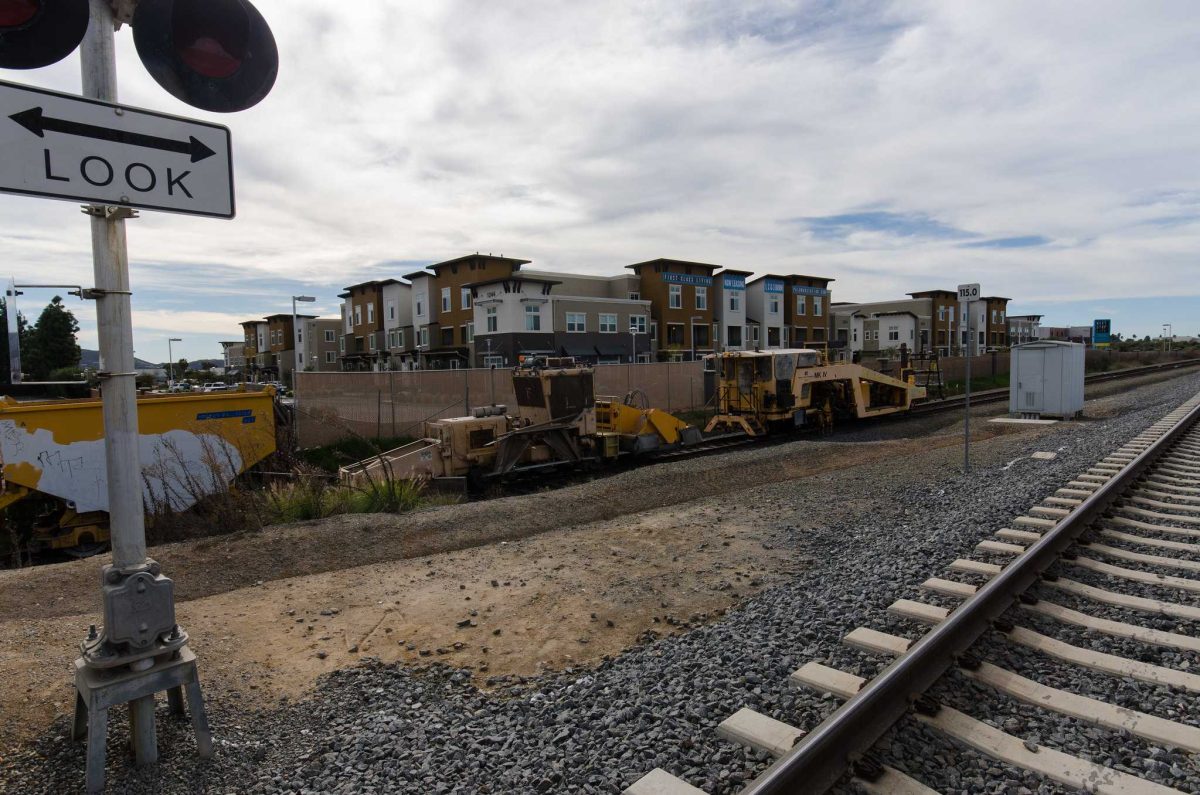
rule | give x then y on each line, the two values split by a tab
967	293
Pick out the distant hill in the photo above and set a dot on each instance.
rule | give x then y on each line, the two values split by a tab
90	358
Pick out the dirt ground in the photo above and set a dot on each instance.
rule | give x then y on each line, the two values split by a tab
512	586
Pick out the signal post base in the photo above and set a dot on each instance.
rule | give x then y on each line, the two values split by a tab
96	691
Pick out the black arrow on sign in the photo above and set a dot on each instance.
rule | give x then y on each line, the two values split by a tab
39	125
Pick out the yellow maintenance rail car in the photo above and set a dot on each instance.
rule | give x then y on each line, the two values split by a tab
190	446
757	391
558	422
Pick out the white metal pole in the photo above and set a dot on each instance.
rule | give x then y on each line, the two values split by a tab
967	399
114	322
170	365
115	329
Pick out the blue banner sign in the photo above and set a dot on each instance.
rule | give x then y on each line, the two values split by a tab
800	289
1101	332
687	278
734	282
246	415
773	286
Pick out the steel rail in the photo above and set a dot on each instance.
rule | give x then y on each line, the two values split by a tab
824	755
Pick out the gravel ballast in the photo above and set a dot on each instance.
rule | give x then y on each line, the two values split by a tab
385	728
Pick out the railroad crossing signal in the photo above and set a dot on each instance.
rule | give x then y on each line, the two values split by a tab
216	55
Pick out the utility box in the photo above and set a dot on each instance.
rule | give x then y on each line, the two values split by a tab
1046	379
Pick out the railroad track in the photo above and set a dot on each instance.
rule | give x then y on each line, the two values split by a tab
1130	522
999	395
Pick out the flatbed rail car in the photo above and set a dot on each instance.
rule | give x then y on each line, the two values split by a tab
190	445
760	391
558	422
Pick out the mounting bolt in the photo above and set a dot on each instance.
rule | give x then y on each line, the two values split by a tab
92	635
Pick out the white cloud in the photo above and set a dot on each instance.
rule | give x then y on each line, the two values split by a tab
588	136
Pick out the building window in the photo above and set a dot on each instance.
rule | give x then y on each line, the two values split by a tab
465	297
420	304
371	341
329	335
754	334
576	322
371	312
772	305
469	333
445	299
533	317
733	336
675	296
654	330
818	306
492	320
358	315
801	305
941	314
637	323
400	338
495	360
330	357
425	338
391	310
702	298
735	301
635	296
342	344
608	324
854	335
893	334
675	334
448	337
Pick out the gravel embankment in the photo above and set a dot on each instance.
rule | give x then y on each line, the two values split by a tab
864	536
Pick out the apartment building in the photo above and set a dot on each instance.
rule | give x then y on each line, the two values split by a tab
1024	328
443	314
806	311
522	315
929	319
765	311
234	355
376	332
729	311
255	349
319	340
281	346
681	299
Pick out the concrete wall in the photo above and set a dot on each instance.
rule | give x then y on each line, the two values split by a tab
331	406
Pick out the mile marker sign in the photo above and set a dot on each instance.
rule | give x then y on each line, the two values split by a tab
65	147
968	292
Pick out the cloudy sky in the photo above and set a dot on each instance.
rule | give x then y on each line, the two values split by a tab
1049	151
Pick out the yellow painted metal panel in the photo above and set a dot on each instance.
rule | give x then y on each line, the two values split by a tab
190	445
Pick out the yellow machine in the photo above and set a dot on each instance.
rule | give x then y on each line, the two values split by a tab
191	445
757	390
559	422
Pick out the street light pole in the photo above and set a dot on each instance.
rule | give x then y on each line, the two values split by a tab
171	361
297	338
1169	335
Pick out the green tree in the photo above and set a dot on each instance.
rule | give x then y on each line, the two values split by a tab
51	342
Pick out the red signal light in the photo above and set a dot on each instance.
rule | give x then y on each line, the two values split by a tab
217	55
210	37
14	13
37	33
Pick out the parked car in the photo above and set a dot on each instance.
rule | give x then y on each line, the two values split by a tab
215	386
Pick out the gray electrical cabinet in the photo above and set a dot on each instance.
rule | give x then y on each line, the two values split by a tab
1046	379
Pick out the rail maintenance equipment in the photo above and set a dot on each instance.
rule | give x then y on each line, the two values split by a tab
559	422
760	391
